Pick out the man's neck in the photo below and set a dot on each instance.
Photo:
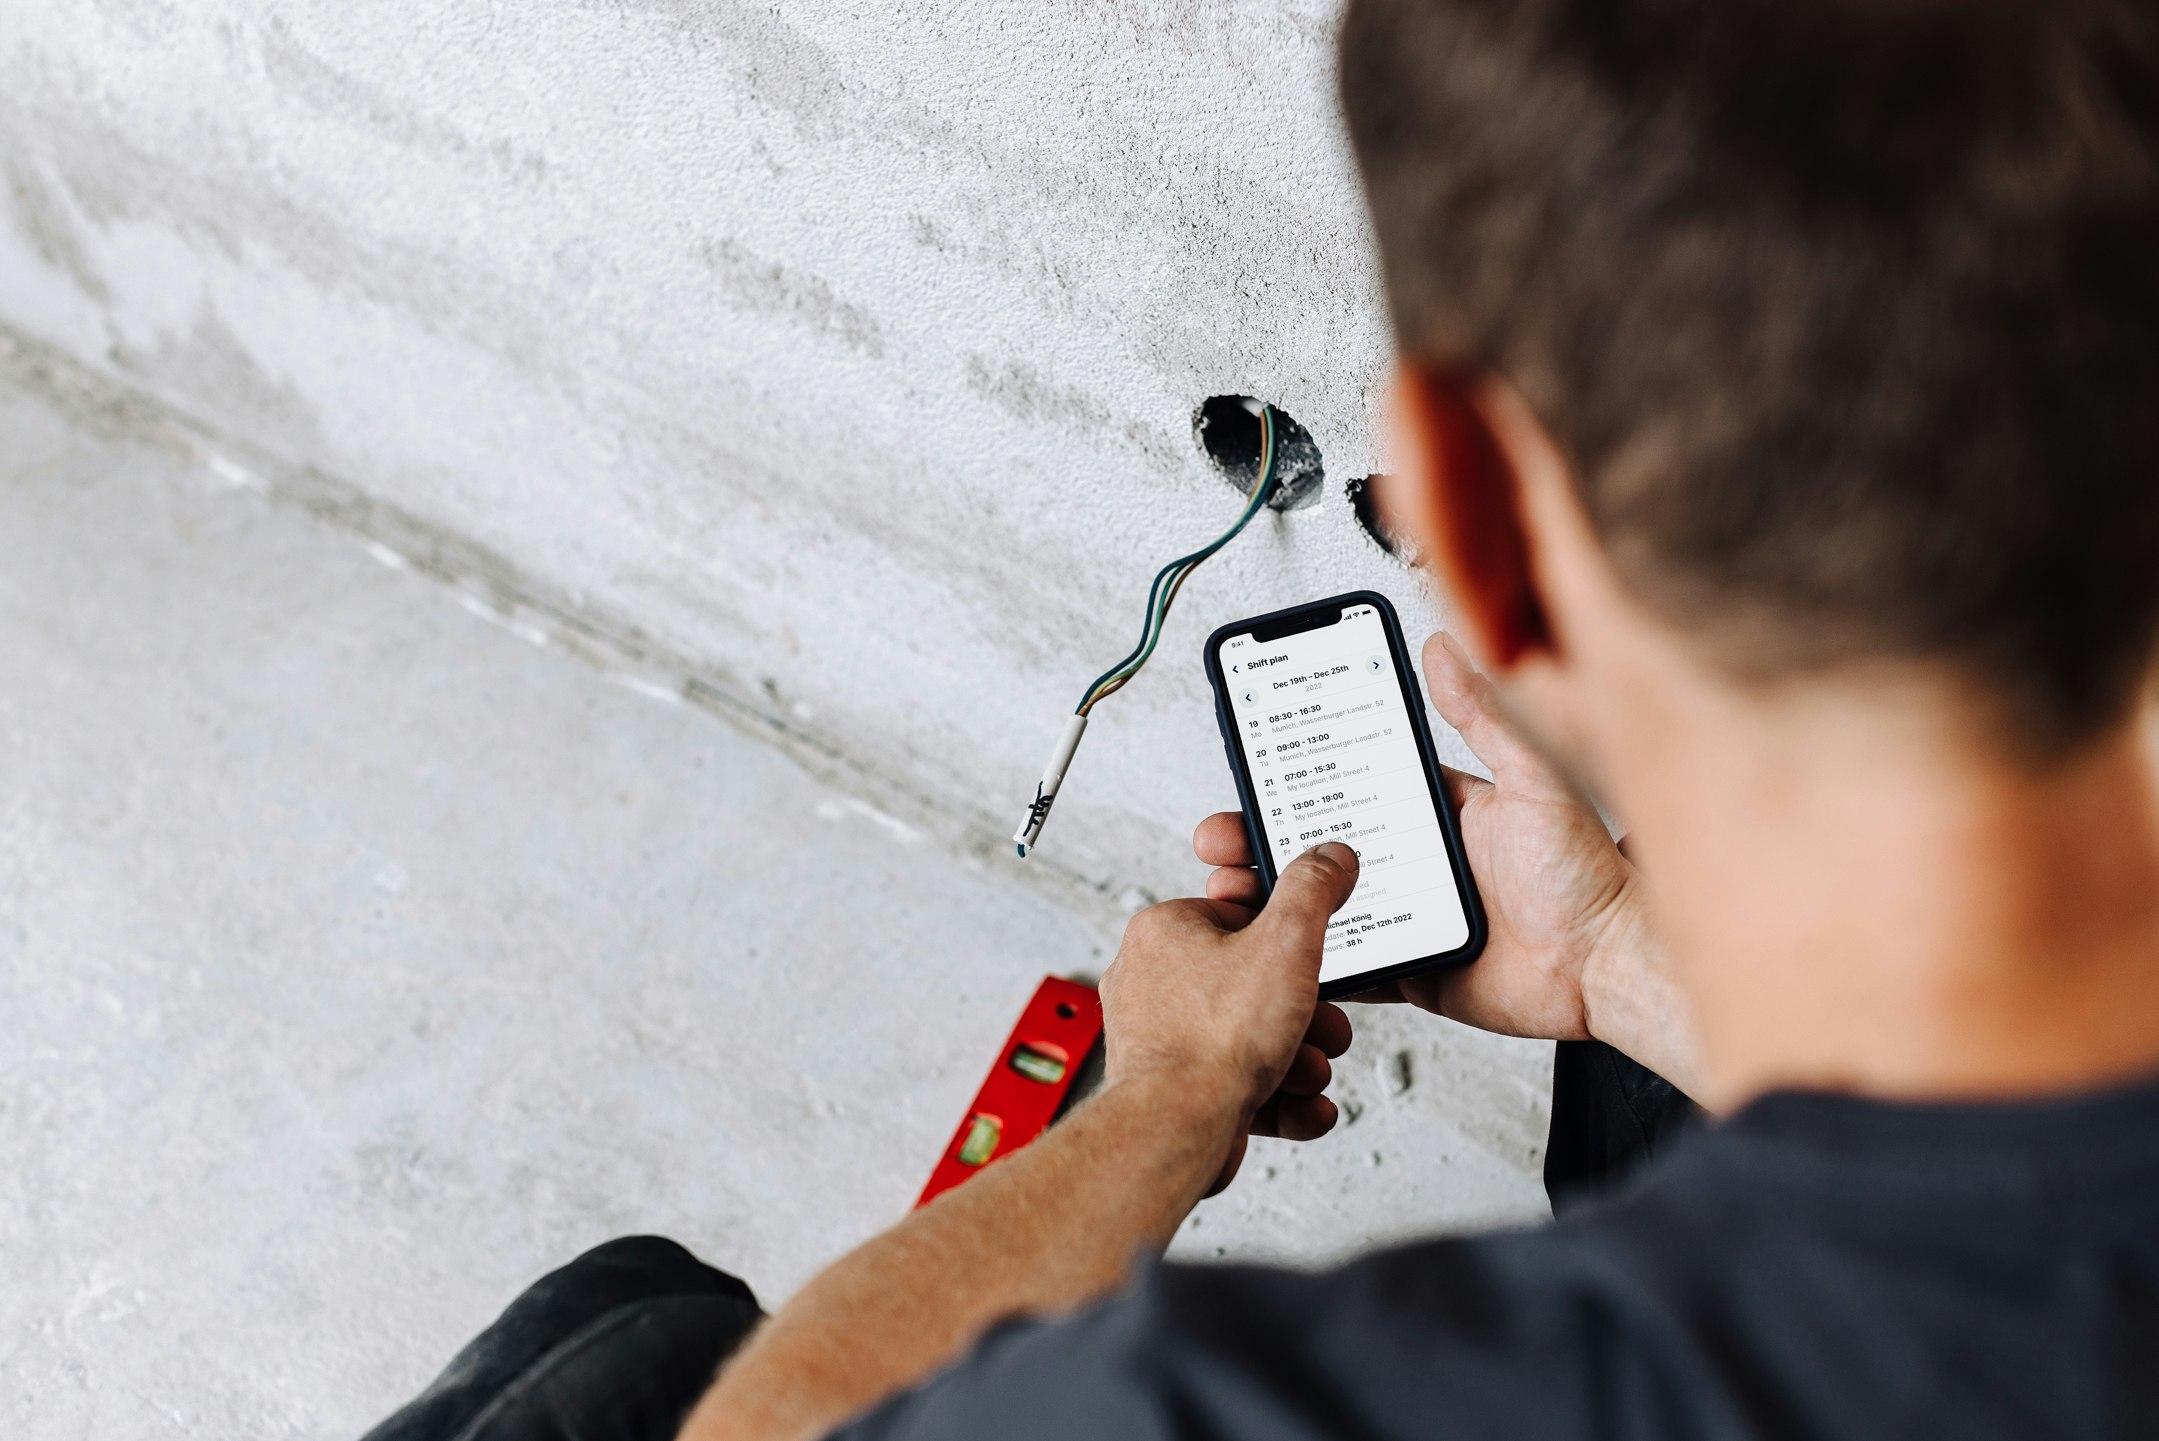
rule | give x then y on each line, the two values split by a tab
1858	900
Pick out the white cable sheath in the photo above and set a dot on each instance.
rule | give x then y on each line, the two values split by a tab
1053	776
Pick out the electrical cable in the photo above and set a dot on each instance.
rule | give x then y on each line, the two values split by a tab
1160	597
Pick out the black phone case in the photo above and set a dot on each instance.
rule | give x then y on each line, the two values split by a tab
1472	902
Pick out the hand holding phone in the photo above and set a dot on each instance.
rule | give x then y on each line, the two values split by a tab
1568	932
1326	737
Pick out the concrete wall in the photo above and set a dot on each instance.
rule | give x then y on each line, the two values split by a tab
830	364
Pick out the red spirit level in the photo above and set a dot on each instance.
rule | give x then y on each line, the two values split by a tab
1023	1091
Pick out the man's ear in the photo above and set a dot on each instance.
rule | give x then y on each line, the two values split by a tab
1459	497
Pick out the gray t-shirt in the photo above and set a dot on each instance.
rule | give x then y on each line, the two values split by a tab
1815	1267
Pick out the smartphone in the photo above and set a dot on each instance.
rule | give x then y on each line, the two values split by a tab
1324	726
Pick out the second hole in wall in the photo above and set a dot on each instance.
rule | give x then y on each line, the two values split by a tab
1363	493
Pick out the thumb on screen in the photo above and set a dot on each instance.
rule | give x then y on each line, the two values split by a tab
1309	891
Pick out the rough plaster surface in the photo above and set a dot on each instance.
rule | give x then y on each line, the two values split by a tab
368	949
844	353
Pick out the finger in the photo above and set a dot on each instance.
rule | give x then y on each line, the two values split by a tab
1308	1074
1461	785
1465	699
1330	1029
1239	885
1220	840
1389	994
1310	889
1301	1118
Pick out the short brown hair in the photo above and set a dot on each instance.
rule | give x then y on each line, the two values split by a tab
1846	311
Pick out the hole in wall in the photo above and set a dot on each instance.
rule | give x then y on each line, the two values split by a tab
1228	432
1363	493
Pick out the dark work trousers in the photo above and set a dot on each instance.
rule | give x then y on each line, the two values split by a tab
1610	1116
620	1343
616	1346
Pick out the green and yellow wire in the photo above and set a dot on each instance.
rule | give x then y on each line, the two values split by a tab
1160	597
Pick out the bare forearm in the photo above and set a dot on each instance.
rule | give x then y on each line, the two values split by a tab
1052	1227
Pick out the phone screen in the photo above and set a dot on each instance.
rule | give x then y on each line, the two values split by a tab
1324	730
